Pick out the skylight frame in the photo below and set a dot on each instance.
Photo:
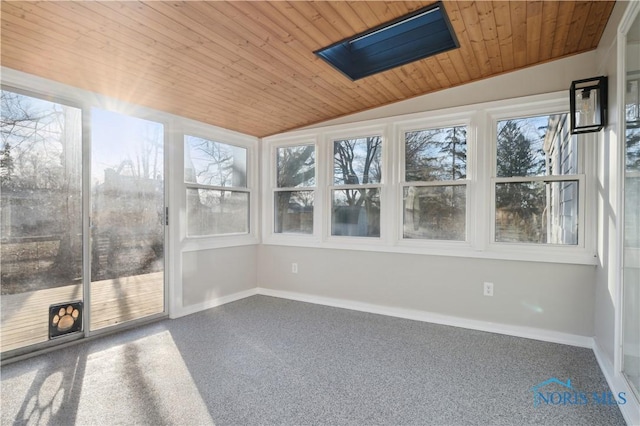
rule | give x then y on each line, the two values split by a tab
355	64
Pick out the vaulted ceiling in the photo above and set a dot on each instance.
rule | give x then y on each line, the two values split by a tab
249	66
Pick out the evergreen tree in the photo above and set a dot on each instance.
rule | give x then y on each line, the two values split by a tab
6	164
523	202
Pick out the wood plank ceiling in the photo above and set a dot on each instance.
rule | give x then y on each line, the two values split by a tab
250	67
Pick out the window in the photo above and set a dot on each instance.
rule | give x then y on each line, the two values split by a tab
355	194
294	195
215	176
435	191
538	181
524	195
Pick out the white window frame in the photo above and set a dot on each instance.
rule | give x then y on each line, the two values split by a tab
270	187
586	165
276	188
215	134
480	120
432	123
353	132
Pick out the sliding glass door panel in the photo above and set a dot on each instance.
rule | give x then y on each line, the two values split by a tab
631	248
40	221
127	218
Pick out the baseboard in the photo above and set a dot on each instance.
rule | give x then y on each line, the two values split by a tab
631	410
192	309
511	330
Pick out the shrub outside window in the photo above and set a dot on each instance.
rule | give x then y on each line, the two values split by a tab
295	189
355	194
435	191
537	184
215	176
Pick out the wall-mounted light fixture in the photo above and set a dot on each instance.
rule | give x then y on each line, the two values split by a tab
588	99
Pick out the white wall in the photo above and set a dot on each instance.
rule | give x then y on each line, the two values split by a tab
608	298
554	297
211	275
607	190
544	78
558	298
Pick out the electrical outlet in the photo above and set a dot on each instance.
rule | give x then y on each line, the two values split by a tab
294	268
488	289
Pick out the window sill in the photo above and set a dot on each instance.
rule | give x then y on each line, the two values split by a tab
563	255
219	241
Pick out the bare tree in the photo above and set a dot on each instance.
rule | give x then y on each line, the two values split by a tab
41	146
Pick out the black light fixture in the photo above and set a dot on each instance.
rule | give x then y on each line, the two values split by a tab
588	100
415	36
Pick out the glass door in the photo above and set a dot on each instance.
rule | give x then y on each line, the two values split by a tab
631	249
40	222
127	219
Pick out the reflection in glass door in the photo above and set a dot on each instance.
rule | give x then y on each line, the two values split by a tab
631	249
127	218
40	221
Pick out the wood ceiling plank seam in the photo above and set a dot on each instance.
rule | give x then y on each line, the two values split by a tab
549	21
399	87
502	15
148	90
534	30
459	66
578	23
325	75
590	36
404	73
359	25
272	18
387	83
417	73
565	12
307	16
256	83
519	28
39	40
430	75
267	79
382	92
324	18
312	16
333	18
409	78
604	19
490	35
455	55
422	72
126	60
153	96
145	91
474	36
330	104
344	9
465	50
229	94
405	81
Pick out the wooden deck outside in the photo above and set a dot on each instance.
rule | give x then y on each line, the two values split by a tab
24	317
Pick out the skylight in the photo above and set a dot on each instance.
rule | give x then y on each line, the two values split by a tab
410	38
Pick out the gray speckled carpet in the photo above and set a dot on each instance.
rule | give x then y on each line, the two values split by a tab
268	361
